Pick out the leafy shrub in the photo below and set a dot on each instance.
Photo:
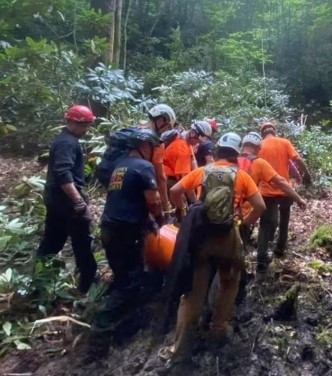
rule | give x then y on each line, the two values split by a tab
234	100
35	85
315	146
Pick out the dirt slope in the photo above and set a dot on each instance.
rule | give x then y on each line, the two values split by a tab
266	341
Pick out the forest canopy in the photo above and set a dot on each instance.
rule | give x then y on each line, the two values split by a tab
253	53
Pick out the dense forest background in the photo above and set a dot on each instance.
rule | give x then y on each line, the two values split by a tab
231	59
235	60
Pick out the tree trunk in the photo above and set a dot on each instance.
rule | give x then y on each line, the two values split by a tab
125	36
107	6
117	33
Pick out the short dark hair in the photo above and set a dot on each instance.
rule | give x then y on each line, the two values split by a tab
268	130
227	153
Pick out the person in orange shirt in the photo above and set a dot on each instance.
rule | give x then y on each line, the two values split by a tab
179	157
162	118
220	249
277	151
261	171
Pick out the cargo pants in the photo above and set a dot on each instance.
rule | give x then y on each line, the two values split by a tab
224	253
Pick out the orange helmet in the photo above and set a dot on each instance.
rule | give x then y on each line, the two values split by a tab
79	114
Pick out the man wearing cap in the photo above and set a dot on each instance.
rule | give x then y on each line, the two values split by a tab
261	171
277	151
67	211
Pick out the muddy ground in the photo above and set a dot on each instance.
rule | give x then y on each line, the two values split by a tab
266	340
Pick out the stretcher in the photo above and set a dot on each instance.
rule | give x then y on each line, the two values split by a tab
158	248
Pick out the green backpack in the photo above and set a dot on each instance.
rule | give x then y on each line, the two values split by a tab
218	194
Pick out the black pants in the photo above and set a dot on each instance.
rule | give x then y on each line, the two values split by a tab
132	287
277	211
61	222
123	244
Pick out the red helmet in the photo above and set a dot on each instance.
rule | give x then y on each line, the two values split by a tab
79	114
214	124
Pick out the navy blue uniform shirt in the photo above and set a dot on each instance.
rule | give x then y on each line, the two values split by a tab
66	164
125	198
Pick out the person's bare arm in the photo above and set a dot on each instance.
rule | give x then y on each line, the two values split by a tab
71	191
152	199
162	186
193	163
302	167
258	207
282	183
176	195
191	196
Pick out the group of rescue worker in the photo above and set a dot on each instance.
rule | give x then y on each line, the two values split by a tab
163	171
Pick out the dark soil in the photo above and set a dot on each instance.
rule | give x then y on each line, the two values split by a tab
267	340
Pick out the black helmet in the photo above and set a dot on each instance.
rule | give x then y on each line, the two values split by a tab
130	137
139	135
169	136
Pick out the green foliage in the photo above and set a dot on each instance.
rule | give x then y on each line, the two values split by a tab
106	86
236	101
20	220
35	84
324	335
315	146
322	237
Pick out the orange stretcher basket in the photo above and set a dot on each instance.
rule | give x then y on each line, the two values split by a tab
158	249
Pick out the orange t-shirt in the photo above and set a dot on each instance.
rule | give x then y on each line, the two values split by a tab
177	158
277	151
244	186
260	171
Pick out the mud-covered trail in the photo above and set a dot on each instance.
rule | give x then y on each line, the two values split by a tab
266	340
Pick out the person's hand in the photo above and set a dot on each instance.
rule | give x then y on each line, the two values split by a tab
168	208
80	206
183	211
302	204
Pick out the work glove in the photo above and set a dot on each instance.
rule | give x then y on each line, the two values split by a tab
80	206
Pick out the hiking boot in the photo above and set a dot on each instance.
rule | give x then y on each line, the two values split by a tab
85	284
262	267
166	353
219	338
279	252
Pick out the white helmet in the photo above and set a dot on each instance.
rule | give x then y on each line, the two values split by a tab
162	110
252	138
230	140
202	128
